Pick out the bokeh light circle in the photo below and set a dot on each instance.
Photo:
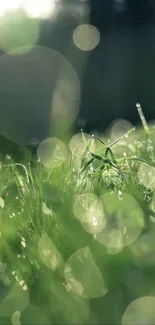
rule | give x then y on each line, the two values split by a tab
78	146
118	128
52	152
124	220
86	37
82	204
18	33
89	210
140	311
146	175
49	253
80	269
28	84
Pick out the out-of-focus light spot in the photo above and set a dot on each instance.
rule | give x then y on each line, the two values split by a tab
75	286
15	318
79	272
15	299
119	128
152	203
82	205
46	210
52	153
146	175
123	225
49	254
23	285
143	249
95	218
66	96
35	76
2	203
140	311
78	146
86	37
9	5
120	5
18	33
39	9
23	243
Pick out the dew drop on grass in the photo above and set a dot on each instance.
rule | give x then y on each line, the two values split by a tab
23	285
140	311
83	275
23	243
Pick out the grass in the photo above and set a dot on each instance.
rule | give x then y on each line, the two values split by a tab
77	241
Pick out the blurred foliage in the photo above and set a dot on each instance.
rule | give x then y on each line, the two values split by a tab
55	265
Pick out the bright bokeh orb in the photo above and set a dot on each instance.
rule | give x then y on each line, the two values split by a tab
82	204
49	253
9	5
96	220
86	37
124	221
66	98
18	33
146	175
78	146
89	210
80	270
119	128
39	9
140	311
52	152
39	92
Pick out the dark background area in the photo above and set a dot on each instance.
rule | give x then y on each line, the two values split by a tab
122	67
116	75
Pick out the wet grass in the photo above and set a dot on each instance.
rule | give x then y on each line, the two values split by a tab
77	240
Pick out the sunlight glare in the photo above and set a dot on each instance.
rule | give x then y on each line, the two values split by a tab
39	9
9	5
